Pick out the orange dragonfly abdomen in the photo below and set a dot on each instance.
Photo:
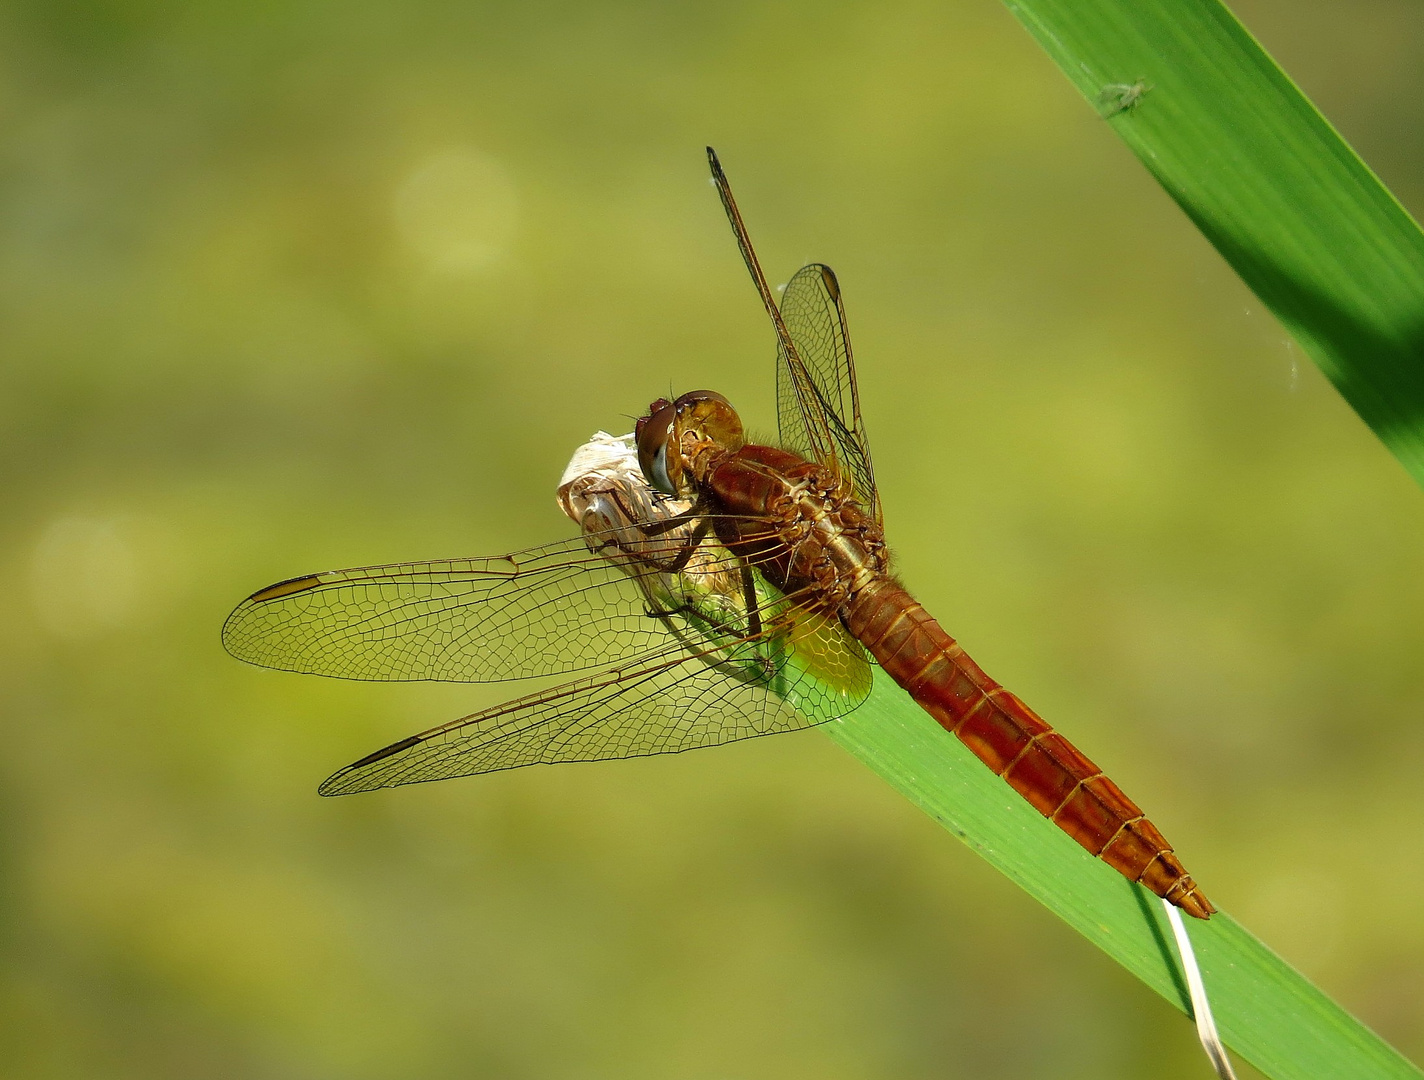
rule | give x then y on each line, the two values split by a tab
1041	765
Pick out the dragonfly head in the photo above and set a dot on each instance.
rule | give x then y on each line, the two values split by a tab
673	428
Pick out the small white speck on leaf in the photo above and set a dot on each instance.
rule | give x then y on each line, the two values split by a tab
1114	99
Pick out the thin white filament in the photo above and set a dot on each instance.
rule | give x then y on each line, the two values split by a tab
1201	1007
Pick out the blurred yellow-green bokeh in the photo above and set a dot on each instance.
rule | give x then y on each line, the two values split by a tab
292	286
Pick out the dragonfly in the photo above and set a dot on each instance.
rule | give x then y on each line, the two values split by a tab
718	589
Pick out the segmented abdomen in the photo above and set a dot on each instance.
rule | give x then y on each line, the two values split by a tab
1014	741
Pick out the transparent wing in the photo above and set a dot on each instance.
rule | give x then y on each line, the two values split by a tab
817	399
818	403
546	611
675	701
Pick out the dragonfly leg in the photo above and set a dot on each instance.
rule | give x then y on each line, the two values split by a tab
635	550
689	549
679	561
691	514
749	598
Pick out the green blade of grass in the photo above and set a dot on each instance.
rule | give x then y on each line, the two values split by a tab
1341	264
1267	1012
1270	183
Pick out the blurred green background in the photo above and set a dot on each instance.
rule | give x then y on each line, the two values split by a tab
293	286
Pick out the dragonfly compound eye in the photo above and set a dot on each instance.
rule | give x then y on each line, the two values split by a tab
654	434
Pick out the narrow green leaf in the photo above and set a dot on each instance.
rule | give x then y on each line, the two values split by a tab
1269	182
1267	1012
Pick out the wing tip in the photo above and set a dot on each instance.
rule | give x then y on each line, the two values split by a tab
285	588
333	784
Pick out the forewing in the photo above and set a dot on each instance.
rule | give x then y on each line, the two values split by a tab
817	399
812	439
545	611
665	705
